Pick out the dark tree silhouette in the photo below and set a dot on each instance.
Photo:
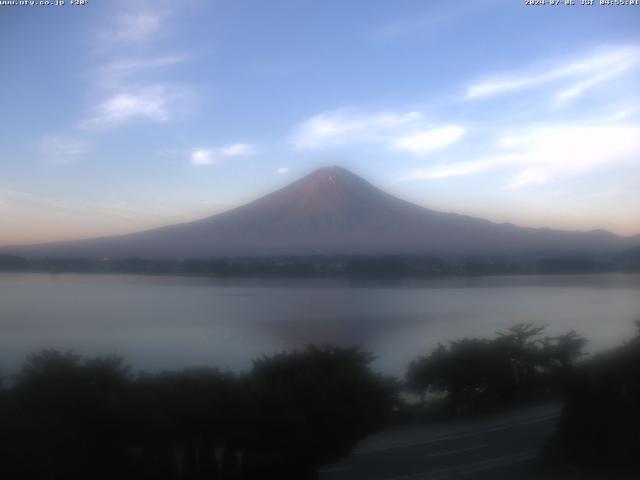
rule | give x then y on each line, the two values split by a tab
71	418
13	263
311	407
600	422
481	373
182	420
66	417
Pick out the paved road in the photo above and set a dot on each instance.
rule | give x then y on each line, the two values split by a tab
498	447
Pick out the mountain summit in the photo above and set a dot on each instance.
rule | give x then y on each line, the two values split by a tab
333	211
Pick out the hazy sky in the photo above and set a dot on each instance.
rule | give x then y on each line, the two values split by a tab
117	116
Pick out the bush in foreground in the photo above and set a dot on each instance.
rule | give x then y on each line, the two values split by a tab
71	418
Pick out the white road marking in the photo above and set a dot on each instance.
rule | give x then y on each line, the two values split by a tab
336	469
461	470
459	450
457	436
490	464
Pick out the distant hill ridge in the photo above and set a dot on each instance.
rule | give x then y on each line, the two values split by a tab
333	211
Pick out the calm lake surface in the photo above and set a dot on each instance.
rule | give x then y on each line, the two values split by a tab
172	322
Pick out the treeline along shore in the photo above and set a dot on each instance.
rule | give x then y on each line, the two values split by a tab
67	417
335	265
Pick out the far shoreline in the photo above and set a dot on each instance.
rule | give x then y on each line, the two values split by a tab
350	267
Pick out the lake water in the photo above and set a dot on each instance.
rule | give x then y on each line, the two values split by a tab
172	322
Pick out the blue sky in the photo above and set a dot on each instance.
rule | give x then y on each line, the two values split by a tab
119	116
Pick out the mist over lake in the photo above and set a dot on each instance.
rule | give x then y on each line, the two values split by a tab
160	323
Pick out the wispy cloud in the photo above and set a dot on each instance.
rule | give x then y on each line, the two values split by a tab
114	73
138	27
282	170
157	103
127	85
549	153
406	26
202	156
236	150
341	127
63	150
133	24
430	140
406	131
586	73
212	156
622	114
8	195
432	19
61	206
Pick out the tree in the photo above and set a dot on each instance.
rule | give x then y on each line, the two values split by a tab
66	417
310	407
72	418
476	373
181	420
600	421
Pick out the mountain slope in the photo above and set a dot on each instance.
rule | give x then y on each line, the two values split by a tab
333	211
